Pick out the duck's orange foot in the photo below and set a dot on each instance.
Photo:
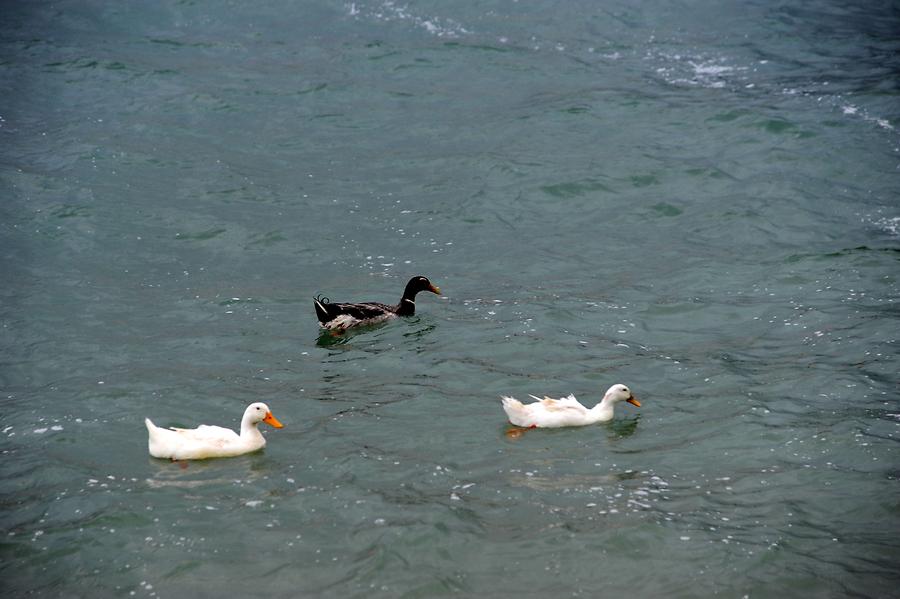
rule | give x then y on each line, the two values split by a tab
515	432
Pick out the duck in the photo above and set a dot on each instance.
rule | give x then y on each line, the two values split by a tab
565	411
342	316
211	441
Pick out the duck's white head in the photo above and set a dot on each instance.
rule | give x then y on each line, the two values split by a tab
619	392
260	412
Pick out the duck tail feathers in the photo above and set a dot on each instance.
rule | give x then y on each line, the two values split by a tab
510	402
322	309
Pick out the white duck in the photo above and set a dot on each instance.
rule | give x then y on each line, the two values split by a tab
565	411
211	441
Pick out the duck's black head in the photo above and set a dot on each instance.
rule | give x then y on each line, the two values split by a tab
417	284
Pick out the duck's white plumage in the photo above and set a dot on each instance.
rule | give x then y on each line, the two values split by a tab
565	411
207	441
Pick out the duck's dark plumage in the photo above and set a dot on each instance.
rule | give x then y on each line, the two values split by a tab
344	315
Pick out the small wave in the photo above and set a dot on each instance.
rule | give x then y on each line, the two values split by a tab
390	11
701	71
853	110
889	225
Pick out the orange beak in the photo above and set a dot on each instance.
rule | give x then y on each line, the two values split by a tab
633	401
271	420
434	289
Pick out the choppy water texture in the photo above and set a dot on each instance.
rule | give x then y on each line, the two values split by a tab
698	199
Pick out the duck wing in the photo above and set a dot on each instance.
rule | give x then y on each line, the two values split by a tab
546	412
562	404
365	310
558	406
327	311
571	402
207	434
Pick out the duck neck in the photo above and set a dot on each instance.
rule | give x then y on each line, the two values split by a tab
603	410
250	432
407	305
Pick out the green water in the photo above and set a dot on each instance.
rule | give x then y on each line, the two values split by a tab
699	200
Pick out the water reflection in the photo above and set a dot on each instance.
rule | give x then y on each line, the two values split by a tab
623	428
619	428
415	329
190	474
331	338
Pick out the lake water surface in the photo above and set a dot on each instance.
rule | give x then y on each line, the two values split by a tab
696	199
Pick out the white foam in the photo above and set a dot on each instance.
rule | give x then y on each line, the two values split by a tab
855	111
889	224
700	71
710	69
389	11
